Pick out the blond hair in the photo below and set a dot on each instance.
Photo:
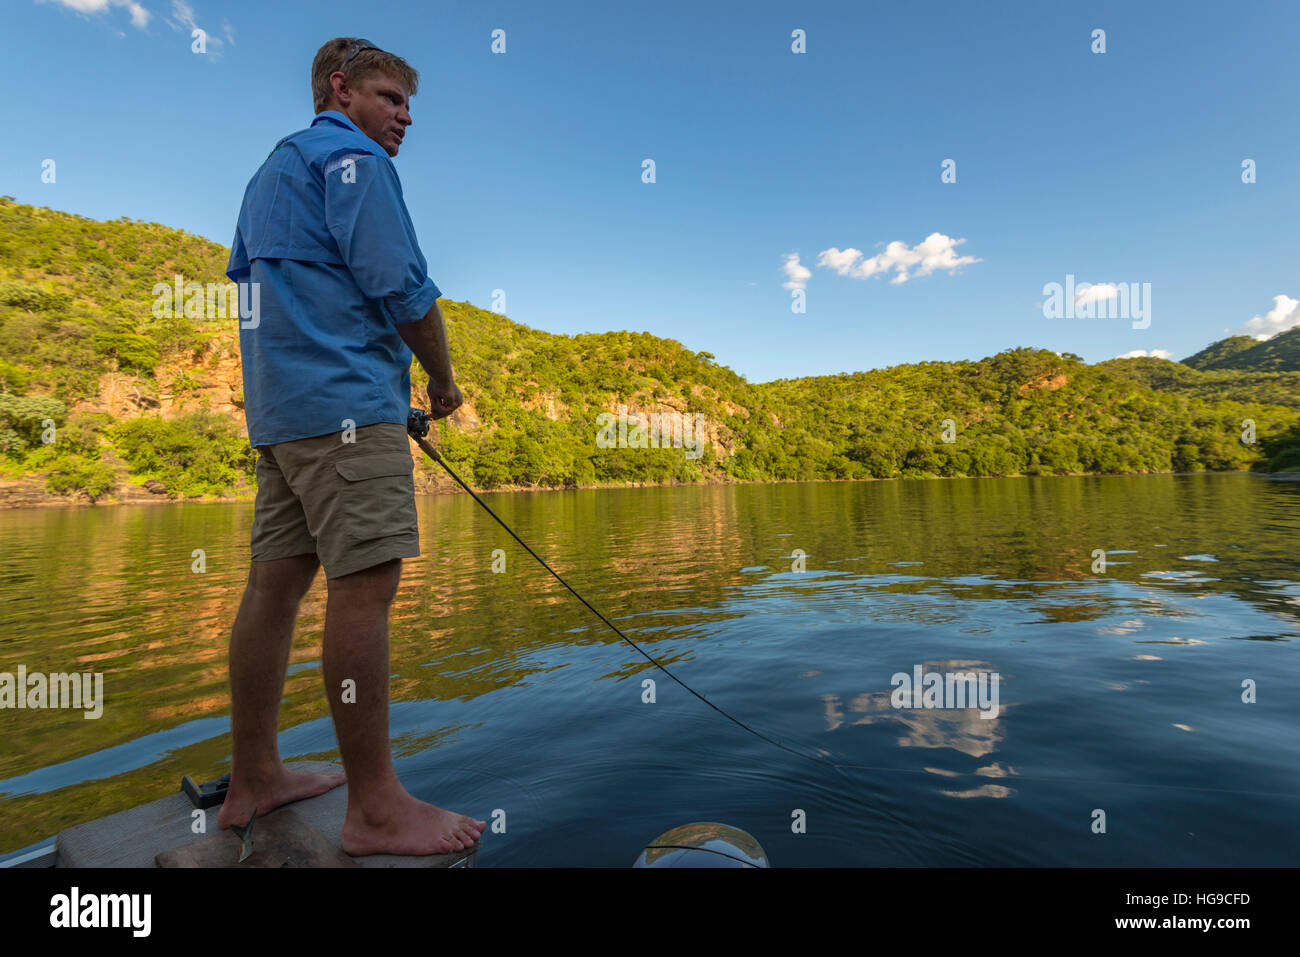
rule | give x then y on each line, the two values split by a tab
366	63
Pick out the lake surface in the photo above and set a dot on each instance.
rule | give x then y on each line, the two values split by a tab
1119	690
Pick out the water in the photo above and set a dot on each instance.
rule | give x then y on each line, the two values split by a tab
1118	690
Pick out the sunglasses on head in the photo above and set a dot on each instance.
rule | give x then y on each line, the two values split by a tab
357	46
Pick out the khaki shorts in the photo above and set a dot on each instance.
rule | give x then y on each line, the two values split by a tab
351	503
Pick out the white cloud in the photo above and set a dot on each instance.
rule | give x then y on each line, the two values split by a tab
1088	292
933	253
139	15
1141	353
1284	315
797	273
85	6
183	12
841	262
184	21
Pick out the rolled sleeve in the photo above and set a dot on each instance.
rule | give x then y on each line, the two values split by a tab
369	222
412	306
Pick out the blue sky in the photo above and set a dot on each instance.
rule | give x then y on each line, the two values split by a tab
523	170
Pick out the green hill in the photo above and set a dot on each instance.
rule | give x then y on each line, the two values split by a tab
1220	351
1279	354
1267	388
100	400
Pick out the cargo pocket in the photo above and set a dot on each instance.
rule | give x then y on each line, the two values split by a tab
378	496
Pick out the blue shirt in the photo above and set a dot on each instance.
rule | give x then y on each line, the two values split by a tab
325	234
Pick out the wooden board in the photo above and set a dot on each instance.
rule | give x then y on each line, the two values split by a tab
138	836
281	839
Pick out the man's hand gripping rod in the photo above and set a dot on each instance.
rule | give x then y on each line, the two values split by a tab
417	424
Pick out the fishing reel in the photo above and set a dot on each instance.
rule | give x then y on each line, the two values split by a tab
417	423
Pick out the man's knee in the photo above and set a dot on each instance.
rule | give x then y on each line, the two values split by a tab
378	583
283	577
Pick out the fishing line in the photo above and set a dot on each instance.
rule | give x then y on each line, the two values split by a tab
417	425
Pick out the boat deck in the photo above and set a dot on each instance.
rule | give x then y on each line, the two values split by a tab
308	836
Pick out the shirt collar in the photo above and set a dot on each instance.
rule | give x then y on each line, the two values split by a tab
337	118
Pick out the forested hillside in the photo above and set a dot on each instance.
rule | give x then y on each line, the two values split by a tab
101	401
1220	351
1278	354
1268	388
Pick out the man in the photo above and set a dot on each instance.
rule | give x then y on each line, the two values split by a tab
344	301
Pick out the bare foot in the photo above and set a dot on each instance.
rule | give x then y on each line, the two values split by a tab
409	826
244	795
